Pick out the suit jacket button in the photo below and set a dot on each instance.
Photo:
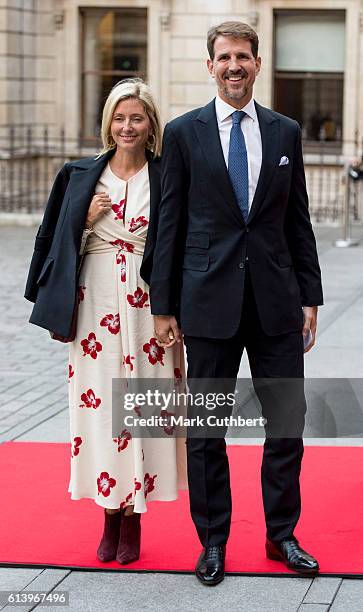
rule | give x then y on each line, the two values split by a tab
241	265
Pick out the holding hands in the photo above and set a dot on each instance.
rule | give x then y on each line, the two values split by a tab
167	332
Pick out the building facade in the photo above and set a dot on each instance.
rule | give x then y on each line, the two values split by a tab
60	58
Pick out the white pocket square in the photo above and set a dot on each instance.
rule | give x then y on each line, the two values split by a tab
284	161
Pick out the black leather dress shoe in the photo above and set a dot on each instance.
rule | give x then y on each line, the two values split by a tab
210	566
295	558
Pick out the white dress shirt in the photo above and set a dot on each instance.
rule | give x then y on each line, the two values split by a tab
251	131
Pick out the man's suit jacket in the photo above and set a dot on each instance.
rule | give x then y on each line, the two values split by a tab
203	242
52	278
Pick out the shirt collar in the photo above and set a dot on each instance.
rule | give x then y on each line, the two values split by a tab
225	110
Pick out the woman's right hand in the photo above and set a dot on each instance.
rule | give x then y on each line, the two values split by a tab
100	204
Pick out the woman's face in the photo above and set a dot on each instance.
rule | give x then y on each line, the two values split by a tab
130	126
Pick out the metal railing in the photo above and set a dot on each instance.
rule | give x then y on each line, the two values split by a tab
30	159
29	162
325	179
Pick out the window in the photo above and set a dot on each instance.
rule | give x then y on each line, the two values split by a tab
309	74
114	47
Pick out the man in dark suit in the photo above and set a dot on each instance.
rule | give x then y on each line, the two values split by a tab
235	266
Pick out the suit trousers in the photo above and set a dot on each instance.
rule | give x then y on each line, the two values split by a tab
278	359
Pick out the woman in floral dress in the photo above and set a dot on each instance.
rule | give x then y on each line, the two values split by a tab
115	334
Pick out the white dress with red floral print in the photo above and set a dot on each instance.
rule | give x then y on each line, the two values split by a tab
115	339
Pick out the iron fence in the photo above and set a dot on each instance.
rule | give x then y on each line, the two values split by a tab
29	162
30	159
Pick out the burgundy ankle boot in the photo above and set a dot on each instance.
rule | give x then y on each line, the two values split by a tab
111	533
130	535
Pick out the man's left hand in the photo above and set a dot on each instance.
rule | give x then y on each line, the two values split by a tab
310	323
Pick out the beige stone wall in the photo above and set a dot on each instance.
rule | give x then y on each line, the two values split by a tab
190	83
40	50
26	64
40	56
352	110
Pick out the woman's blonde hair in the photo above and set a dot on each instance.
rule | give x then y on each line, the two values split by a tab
131	88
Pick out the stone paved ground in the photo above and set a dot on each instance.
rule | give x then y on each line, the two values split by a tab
33	393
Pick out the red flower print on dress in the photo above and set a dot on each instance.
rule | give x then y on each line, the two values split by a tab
149	483
112	322
119	209
127	361
137	486
123	245
121	259
77	441
91	346
135	224
155	352
166	416
177	376
90	400
70	371
122	440
139	299
125	503
105	484
137	410
81	290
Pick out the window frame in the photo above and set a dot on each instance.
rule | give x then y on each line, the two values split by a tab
310	146
88	140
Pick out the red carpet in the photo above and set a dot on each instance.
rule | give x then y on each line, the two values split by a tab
41	526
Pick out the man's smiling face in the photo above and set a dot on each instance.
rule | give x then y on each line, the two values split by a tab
235	69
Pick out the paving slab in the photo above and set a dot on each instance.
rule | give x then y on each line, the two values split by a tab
127	591
26	424
313	608
9	580
16	579
46	581
56	429
349	597
322	591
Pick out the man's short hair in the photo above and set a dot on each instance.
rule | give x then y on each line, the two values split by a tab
234	29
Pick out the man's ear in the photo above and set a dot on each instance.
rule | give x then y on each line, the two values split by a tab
210	67
258	64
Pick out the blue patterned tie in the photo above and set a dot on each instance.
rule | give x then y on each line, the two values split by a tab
238	163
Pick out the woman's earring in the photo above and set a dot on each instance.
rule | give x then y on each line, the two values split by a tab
151	141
